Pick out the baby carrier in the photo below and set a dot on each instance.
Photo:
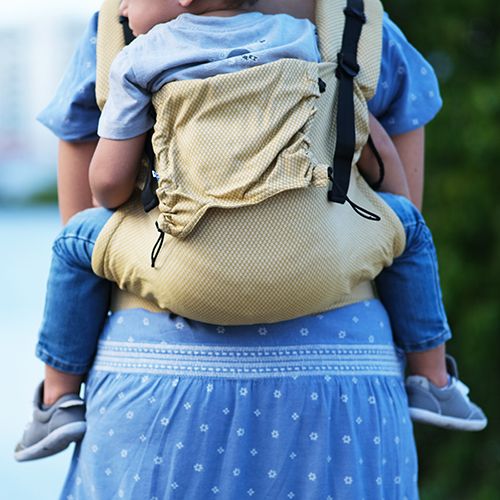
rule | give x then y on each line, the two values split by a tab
259	217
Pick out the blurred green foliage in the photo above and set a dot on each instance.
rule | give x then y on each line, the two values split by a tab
44	196
461	39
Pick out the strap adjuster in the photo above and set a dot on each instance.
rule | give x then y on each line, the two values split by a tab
346	66
334	194
355	13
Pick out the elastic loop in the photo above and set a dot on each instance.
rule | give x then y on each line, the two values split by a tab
376	185
363	212
157	246
336	195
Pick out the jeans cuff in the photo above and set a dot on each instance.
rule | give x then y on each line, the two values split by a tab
59	364
426	345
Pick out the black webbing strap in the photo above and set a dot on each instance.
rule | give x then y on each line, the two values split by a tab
128	36
347	69
148	195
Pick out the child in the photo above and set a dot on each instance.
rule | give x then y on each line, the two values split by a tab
124	124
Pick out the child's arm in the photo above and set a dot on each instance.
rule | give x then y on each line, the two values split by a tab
395	177
114	168
411	147
73	188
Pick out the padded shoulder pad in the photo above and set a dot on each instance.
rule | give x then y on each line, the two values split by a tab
330	21
110	40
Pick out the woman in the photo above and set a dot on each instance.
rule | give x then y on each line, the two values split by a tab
246	420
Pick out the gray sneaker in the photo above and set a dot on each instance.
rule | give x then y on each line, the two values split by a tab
53	429
448	407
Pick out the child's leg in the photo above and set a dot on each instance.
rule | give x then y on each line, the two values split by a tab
430	363
411	292
76	306
57	383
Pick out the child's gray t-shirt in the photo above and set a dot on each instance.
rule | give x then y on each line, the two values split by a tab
191	47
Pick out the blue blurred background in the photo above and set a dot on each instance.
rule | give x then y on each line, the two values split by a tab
36	41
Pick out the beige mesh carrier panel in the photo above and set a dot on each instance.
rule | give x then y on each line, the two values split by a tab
233	140
265	244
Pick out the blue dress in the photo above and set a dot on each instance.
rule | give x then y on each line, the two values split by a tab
312	408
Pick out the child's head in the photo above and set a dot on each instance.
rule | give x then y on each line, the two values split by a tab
144	14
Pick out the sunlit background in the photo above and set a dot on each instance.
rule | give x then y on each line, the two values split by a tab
36	41
462	205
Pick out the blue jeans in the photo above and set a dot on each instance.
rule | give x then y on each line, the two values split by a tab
77	300
410	288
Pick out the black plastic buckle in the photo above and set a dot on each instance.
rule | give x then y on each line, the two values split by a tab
334	194
346	67
355	13
149	198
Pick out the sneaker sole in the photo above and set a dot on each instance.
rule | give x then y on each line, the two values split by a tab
56	441
460	424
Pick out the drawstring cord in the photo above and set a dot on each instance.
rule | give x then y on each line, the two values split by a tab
157	245
363	212
376	185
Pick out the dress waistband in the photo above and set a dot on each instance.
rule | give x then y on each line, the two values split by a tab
354	340
248	362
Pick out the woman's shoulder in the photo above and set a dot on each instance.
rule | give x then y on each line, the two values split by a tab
407	95
72	114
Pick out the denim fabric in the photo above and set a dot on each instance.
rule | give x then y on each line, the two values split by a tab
410	288
77	300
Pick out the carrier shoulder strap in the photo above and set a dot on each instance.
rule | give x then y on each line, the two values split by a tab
111	36
347	54
330	22
347	70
